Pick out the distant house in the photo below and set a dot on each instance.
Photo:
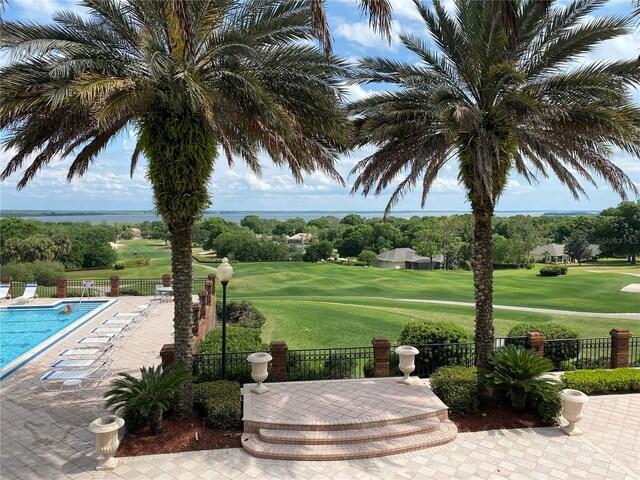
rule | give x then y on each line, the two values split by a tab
555	253
300	239
551	252
406	258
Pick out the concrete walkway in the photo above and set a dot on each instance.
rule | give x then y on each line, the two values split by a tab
626	316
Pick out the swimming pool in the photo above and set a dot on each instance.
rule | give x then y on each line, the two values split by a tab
25	331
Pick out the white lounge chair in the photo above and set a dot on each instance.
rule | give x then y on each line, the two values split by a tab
29	294
108	330
95	341
4	292
76	363
81	352
116	321
93	376
126	314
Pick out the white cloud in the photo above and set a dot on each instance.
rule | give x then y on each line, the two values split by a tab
364	35
356	92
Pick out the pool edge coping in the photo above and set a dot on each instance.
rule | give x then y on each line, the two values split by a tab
35	351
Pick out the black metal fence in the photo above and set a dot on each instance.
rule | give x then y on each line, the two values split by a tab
102	287
329	363
436	355
634	351
579	353
208	367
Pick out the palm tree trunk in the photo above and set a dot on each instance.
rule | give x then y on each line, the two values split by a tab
483	279
182	322
155	421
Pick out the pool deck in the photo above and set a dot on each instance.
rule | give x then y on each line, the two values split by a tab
44	435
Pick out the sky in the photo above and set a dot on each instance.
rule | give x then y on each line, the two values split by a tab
108	186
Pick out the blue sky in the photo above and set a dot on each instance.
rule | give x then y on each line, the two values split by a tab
107	184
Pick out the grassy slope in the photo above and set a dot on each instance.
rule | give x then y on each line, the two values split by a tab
325	305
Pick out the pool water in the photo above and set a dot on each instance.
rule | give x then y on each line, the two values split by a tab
23	328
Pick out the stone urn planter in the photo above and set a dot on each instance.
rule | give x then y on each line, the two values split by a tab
106	431
573	403
259	362
407	355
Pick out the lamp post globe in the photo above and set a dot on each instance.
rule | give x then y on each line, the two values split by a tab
224	273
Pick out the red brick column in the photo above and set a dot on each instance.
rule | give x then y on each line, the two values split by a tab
8	280
202	298
168	354
535	341
195	318
166	280
61	287
620	347
115	286
208	288
212	279
279	362
381	349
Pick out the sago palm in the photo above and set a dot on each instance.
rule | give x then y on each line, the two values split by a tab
495	106
150	394
256	82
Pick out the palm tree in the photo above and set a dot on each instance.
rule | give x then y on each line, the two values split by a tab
255	83
149	395
497	108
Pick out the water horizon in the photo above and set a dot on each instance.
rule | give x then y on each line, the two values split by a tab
138	216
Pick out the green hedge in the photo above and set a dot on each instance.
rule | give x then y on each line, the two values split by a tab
553	270
219	403
457	387
548	410
239	339
556	352
603	381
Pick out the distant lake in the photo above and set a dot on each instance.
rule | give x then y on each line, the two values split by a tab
138	217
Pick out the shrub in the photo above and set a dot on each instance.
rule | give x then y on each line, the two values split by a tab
43	272
548	409
394	367
517	371
338	367
557	352
299	369
242	313
457	387
239	339
149	395
134	420
426	332
118	266
553	270
219	402
603	381
549	271
137	262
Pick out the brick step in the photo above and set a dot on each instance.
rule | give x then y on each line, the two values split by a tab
325	437
406	416
346	451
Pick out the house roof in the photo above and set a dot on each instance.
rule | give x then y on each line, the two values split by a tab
436	259
554	250
300	236
399	255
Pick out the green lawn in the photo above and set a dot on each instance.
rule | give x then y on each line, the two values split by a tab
328	305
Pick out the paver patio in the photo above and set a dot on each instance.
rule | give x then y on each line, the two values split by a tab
44	436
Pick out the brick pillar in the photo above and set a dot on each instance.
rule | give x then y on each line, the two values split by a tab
195	317
208	288
535	341
168	354
620	347
115	286
279	362
381	350
212	279
8	280
61	287
166	280
202	298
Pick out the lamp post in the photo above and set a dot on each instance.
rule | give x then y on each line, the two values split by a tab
224	273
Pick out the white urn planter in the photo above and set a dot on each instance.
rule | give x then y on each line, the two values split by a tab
106	431
407	355
573	403
259	372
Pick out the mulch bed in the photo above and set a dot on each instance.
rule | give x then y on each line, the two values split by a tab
495	418
178	436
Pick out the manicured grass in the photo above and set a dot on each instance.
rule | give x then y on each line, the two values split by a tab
328	305
156	250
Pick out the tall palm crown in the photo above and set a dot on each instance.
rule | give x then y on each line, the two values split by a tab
250	80
498	99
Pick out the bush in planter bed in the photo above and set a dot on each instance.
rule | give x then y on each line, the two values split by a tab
603	381
556	352
457	387
548	409
219	403
243	314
